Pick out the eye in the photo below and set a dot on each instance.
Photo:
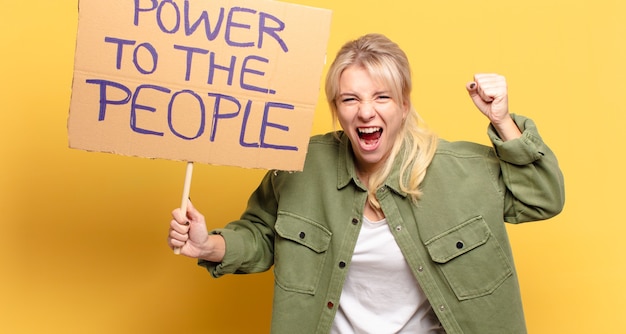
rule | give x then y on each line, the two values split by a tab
383	98
349	100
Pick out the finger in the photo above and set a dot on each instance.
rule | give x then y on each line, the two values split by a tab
181	228
179	216
480	93
490	86
486	78
474	91
174	235
175	243
193	214
486	95
176	238
471	86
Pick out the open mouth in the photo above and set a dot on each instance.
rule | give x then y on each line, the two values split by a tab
369	136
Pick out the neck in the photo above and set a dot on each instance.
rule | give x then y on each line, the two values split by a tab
364	172
363	176
372	213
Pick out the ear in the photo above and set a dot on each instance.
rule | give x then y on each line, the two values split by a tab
406	108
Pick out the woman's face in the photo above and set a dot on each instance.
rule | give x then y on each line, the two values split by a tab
369	116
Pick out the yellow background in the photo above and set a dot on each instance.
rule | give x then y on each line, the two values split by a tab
82	235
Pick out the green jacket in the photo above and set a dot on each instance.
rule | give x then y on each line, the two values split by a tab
306	224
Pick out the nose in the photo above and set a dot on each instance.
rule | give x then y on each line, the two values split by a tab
367	110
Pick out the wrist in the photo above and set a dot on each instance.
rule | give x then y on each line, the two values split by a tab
213	249
506	128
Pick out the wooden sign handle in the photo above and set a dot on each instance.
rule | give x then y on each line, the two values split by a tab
185	199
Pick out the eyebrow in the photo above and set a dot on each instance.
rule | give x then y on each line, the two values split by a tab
382	92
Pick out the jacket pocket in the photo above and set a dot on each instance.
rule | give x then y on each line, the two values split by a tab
471	259
300	252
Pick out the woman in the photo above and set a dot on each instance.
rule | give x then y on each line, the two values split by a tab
388	229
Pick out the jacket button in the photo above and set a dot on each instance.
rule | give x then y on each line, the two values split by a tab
355	221
460	245
330	305
302	235
342	264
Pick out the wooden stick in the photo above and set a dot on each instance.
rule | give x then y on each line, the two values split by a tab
185	200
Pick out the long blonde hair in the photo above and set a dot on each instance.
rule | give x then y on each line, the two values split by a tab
386	62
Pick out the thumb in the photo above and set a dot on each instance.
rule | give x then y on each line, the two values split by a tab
481	100
472	89
182	214
192	213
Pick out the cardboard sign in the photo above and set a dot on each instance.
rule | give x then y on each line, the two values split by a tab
228	82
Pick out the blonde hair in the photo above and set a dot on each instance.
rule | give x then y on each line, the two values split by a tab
387	63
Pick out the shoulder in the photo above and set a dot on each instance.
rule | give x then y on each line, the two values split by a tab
322	152
323	146
464	158
320	168
463	149
460	168
324	141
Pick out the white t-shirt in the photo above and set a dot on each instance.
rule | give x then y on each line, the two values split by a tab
380	294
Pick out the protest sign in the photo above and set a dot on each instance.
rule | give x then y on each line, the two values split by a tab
228	82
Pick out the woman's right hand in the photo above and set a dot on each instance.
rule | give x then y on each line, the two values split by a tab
188	233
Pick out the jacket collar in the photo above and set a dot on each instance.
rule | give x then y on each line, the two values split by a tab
346	172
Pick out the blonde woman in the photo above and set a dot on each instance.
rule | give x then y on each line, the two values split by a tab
389	229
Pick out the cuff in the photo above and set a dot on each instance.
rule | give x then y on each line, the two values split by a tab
233	258
521	151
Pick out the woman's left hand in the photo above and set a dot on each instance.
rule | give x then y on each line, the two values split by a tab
490	95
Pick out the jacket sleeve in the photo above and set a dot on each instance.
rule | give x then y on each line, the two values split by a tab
534	186
249	240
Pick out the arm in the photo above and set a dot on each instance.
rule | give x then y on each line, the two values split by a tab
249	241
243	246
529	169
